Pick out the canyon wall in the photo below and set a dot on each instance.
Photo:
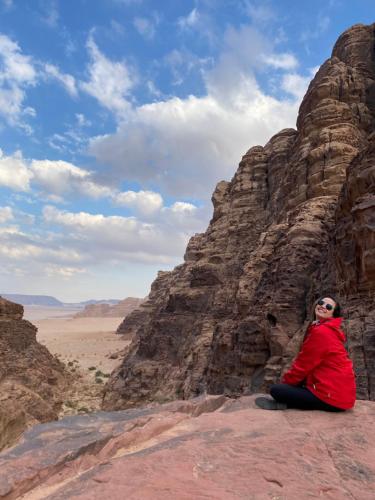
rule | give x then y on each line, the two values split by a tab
297	220
31	379
102	310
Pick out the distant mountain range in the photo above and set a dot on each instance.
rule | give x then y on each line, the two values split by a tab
49	301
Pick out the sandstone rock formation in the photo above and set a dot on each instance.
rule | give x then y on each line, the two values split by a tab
296	220
120	310
209	448
31	379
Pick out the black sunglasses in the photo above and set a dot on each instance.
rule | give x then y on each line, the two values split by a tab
329	307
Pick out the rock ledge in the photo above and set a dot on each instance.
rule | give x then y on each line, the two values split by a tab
204	448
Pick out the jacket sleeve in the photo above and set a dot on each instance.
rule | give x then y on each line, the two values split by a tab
311	355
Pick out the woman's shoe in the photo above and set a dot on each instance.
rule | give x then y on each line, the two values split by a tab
270	404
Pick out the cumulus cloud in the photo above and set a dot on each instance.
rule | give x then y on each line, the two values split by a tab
185	146
58	180
109	82
14	172
145	202
63	178
15	244
118	238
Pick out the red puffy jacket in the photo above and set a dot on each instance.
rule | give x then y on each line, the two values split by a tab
324	366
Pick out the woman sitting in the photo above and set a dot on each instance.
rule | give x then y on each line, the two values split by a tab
321	377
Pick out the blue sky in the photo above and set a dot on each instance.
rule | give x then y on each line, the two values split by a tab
118	117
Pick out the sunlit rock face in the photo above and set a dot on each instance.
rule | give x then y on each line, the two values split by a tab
31	379
296	220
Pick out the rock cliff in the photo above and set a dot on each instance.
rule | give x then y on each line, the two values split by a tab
296	220
208	448
31	379
122	309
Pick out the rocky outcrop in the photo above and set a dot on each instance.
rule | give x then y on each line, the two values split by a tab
203	448
102	310
231	317
31	379
355	264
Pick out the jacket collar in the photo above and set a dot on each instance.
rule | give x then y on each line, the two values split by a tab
334	324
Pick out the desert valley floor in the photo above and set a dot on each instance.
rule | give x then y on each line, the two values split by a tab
87	346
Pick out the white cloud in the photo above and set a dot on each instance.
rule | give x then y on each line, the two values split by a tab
110	82
16	73
145	202
18	245
117	238
16	66
63	178
182	207
185	146
14	172
58	180
296	84
63	271
68	81
281	61
6	214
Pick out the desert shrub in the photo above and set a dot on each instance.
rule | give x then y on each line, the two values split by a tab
99	373
98	380
92	368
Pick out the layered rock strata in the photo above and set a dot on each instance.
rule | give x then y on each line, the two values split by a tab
296	220
208	448
120	310
31	379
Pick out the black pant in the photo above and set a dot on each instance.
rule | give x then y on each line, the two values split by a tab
299	397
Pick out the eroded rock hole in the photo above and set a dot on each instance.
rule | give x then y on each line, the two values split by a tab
271	319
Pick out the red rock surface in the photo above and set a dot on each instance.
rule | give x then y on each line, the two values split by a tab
202	449
31	379
123	308
296	220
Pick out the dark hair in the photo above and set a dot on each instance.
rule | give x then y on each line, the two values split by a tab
336	309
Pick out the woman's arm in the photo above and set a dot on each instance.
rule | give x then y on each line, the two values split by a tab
312	353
